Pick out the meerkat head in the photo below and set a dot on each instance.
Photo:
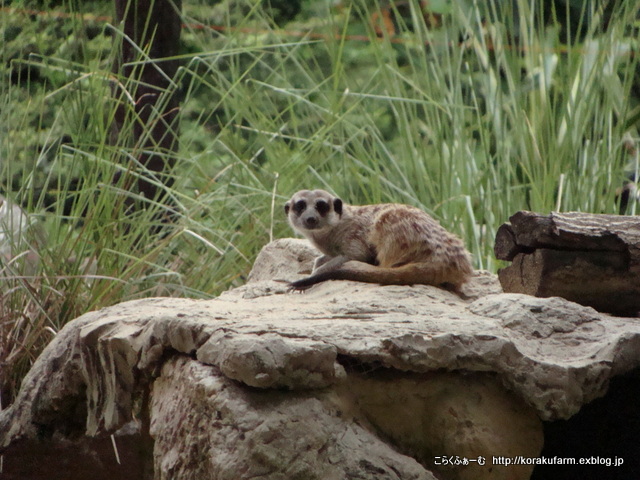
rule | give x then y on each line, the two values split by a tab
313	210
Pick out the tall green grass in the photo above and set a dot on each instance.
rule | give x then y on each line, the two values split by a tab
473	120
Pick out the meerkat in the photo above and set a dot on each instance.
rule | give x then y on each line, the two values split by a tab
389	243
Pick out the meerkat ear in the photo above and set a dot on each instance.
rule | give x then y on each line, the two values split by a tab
286	208
337	205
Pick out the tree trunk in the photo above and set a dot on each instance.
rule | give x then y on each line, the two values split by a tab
152	26
589	259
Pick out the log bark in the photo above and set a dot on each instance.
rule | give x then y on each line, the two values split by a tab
590	259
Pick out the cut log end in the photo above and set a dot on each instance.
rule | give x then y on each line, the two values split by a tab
590	259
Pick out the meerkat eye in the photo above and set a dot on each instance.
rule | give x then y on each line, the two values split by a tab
299	206
322	207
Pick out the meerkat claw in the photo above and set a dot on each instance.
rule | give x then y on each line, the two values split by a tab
293	288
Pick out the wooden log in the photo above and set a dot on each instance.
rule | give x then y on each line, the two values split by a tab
590	259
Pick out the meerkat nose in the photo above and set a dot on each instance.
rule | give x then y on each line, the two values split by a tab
311	222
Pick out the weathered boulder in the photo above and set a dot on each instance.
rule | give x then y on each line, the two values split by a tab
348	380
225	431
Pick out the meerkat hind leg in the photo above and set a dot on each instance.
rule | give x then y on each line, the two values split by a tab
322	260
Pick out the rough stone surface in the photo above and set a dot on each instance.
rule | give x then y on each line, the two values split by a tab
283	259
441	414
351	380
227	432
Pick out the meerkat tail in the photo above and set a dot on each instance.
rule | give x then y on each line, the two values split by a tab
409	274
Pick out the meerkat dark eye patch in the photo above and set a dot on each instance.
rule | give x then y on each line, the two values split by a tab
322	207
299	206
337	205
